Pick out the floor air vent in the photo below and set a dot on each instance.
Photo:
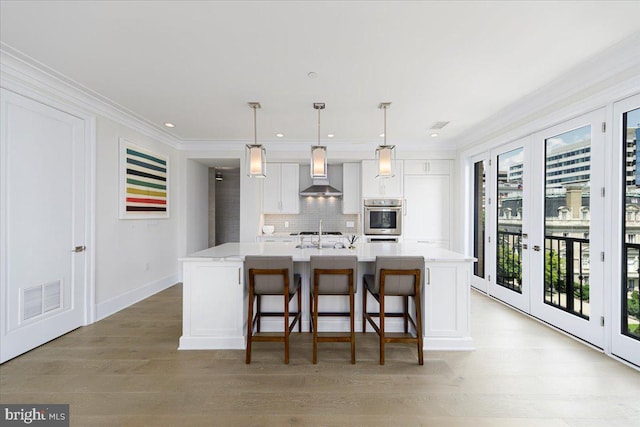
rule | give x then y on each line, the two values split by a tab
38	300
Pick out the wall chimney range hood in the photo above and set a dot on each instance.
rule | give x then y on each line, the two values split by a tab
321	187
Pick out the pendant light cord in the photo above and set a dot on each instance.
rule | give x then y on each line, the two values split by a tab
255	126
385	125
318	126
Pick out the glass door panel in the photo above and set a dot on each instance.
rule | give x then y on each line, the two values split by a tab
567	221
479	224
631	226
508	240
625	328
509	220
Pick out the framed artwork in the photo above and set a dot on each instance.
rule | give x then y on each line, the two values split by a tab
144	183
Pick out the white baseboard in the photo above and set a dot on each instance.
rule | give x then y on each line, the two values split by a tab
115	304
448	344
212	343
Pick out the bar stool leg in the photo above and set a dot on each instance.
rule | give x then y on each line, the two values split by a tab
406	314
315	321
418	304
258	310
381	294
364	308
299	316
249	322
286	319
352	320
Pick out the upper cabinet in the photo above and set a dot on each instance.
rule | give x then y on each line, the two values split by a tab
281	189
381	187
427	167
351	188
427	197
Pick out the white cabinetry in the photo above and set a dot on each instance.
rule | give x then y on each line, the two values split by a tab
447	306
213	312
351	203
281	189
427	167
427	209
380	187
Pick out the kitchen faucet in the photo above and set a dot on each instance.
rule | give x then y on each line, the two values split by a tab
320	235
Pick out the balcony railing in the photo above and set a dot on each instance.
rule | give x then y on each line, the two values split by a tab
566	274
630	291
509	264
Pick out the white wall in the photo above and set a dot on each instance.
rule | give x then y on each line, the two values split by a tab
135	257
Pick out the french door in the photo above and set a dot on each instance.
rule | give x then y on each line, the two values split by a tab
625	232
546	231
568	228
507	245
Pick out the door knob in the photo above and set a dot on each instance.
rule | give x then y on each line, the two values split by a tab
79	249
536	248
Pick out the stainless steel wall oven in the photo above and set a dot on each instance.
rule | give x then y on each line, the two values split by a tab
383	217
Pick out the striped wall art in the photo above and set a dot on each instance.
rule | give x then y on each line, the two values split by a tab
144	178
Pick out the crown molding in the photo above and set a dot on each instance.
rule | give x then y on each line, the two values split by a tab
19	72
602	79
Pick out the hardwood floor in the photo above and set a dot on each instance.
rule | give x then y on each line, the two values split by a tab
125	371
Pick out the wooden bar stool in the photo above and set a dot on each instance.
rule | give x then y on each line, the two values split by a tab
271	275
333	275
395	276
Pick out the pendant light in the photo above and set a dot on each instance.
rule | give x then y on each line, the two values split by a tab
385	154
318	152
255	155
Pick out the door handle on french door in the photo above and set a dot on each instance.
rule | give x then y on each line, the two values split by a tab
79	249
525	246
536	248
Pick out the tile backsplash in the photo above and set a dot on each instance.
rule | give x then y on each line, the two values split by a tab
312	210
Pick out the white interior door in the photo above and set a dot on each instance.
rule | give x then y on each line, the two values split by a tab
43	220
625	231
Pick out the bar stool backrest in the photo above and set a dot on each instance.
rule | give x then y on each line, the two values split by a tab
333	284
398	284
269	284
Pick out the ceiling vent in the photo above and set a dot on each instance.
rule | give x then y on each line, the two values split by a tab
439	125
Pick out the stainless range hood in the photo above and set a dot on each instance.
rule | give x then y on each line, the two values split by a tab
321	187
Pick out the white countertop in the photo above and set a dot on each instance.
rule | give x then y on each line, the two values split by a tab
366	252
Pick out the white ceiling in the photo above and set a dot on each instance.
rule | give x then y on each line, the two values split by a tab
198	64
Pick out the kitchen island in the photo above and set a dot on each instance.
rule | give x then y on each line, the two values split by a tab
215	296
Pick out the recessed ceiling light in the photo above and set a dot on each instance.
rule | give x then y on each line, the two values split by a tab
169	125
433	135
312	75
330	135
279	135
